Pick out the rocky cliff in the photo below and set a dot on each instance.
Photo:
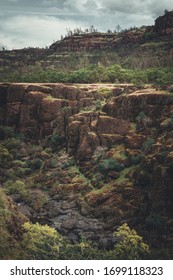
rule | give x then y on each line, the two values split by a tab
84	42
148	46
102	156
97	41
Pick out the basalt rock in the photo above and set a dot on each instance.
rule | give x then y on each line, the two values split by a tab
149	102
34	109
89	42
41	110
87	131
164	24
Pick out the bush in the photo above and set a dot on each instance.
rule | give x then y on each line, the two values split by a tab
68	163
56	141
40	242
16	187
4	153
147	144
5	156
98	105
26	171
81	251
13	144
131	245
45	243
7	220
136	159
109	164
7	131
36	164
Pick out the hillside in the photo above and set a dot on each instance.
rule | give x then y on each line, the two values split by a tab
141	48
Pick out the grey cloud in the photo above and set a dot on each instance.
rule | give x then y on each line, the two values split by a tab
32	31
124	6
150	7
157	7
32	6
42	21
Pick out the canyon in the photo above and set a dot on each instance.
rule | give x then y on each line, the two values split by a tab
83	153
106	154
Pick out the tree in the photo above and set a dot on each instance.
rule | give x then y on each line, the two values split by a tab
69	32
40	242
92	29
109	31
118	28
131	245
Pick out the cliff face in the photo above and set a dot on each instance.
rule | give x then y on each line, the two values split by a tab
33	109
96	41
85	42
123	156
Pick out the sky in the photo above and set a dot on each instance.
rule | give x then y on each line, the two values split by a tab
39	23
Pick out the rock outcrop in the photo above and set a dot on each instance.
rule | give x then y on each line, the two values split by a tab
87	42
149	101
164	24
34	109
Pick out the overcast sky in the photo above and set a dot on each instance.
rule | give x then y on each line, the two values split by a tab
37	23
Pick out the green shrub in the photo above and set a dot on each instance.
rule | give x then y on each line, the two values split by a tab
105	92
36	164
10	174
56	141
4	153
96	73
136	159
98	105
13	144
7	131
27	171
81	251
109	164
68	163
16	187
5	157
6	242
53	163
43	242
141	116
40	242
131	245
147	144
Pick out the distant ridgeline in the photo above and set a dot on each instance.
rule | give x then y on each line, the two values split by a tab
135	48
95	40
